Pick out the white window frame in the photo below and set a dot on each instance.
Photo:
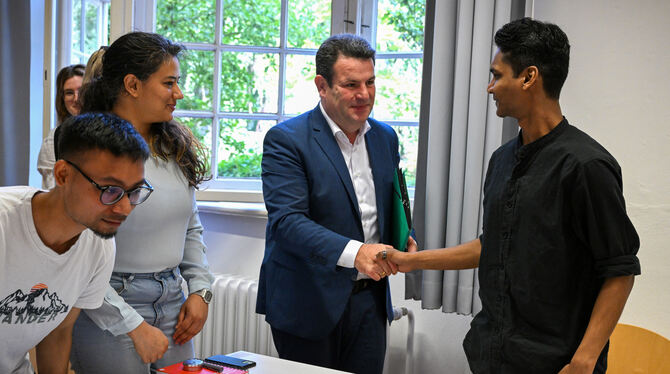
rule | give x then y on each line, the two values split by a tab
352	16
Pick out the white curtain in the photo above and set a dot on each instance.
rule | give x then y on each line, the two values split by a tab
14	92
458	132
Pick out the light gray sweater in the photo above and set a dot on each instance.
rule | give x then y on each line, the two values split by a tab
161	233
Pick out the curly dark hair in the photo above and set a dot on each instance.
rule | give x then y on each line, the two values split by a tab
142	54
527	42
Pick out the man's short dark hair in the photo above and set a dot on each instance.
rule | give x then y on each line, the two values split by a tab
342	44
102	131
527	42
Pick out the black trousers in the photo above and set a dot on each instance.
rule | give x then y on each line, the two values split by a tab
358	342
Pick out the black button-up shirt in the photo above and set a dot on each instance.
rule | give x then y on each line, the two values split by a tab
555	227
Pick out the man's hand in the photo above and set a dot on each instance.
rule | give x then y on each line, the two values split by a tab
150	342
604	316
400	259
192	317
367	261
411	245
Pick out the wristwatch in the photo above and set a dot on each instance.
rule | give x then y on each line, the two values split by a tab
205	294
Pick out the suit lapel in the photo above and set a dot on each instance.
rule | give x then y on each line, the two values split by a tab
377	162
324	137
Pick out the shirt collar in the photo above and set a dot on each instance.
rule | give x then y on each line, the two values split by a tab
524	151
336	129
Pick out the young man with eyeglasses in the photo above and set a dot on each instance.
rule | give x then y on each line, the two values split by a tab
57	247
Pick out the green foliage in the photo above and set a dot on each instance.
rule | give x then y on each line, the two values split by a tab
241	165
250	81
197	80
406	18
237	159
186	21
398	91
93	17
246	81
251	22
308	23
200	127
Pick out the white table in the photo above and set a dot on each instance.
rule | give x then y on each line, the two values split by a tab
273	365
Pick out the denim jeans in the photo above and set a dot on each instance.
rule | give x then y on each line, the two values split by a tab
158	298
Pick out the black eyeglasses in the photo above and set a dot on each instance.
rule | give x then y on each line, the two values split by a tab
110	195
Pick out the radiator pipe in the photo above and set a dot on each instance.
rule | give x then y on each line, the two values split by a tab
398	313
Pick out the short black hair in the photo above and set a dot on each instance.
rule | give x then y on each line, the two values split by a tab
342	44
527	42
102	131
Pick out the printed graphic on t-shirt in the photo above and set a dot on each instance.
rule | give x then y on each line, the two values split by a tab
37	306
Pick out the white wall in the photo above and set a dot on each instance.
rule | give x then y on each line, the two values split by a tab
617	92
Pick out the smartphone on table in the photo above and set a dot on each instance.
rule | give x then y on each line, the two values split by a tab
238	363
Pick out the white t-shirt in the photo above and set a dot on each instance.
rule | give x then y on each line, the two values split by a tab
46	160
38	287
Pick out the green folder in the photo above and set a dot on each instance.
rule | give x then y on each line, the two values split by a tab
401	218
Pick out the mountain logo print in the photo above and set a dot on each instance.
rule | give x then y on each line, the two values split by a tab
37	306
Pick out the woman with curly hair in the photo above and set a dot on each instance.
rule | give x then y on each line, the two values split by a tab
146	322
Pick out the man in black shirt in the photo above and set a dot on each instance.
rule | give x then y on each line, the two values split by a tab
557	255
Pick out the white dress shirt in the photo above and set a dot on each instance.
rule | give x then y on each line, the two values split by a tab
358	163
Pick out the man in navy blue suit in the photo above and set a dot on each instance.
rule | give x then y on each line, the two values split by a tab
327	185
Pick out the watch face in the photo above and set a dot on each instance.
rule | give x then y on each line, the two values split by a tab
207	296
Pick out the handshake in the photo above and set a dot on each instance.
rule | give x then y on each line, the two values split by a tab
380	260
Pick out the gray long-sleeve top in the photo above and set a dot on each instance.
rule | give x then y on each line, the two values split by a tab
161	233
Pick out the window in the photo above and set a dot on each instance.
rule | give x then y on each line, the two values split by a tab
90	28
250	65
240	53
399	45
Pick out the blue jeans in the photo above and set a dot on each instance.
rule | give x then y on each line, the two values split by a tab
158	298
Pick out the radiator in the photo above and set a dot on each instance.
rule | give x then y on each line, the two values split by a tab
232	324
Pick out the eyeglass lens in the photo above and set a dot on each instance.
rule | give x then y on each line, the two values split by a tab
113	194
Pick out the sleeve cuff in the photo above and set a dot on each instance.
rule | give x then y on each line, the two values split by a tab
115	315
618	266
197	285
348	256
128	324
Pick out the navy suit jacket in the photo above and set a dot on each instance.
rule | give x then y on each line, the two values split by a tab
312	214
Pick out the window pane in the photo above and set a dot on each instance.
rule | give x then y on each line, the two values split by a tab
186	20
202	129
251	22
89	33
76	28
240	147
408	140
400	25
197	80
93	23
300	91
308	23
398	89
249	82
